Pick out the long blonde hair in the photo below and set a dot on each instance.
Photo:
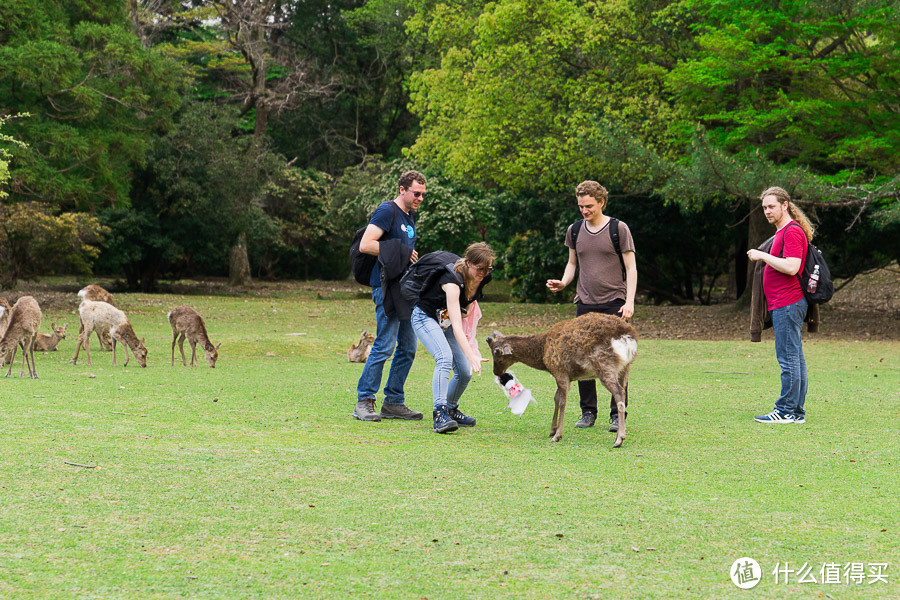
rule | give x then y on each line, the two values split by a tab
478	253
793	210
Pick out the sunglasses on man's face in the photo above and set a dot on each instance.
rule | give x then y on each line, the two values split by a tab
417	194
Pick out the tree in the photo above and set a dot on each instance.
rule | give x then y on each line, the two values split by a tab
537	95
192	200
255	69
34	241
797	94
94	94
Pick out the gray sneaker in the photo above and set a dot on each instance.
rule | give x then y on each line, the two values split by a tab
587	420
399	411
614	423
365	410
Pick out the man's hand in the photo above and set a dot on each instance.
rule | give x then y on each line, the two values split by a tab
414	257
754	254
627	310
555	285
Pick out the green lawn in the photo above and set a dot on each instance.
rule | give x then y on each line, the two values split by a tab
252	480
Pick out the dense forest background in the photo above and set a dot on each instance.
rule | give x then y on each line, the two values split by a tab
152	139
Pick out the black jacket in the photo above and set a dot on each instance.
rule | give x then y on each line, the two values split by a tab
393	257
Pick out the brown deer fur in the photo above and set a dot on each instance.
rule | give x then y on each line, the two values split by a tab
106	318
49	342
95	293
5	309
187	322
24	323
359	353
587	347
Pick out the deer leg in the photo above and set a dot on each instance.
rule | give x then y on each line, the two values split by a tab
174	337
34	374
181	347
24	361
12	359
114	350
78	346
87	344
612	381
193	353
555	417
562	390
125	346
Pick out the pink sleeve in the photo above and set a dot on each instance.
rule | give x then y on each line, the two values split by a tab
470	326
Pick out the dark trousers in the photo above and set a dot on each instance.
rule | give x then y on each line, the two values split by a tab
587	390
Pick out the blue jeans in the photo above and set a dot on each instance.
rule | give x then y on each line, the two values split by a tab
390	332
787	322
442	345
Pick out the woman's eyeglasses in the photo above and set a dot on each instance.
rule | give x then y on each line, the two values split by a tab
482	270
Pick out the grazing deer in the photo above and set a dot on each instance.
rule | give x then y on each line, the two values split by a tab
106	318
586	347
95	293
5	309
359	353
49	342
24	323
187	322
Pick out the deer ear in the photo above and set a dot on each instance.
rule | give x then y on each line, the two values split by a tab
53	324
142	340
489	341
219	346
496	334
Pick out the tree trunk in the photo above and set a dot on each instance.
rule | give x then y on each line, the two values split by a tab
239	264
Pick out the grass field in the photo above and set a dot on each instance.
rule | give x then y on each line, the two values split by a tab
252	480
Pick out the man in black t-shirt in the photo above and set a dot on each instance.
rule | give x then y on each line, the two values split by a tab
392	220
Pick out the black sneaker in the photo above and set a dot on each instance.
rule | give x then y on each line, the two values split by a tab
587	420
461	419
614	423
442	421
399	411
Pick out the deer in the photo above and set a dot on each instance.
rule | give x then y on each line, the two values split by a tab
95	293
24	323
106	318
187	322
5	309
49	342
586	347
359	353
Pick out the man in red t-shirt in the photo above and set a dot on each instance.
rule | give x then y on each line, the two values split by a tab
786	301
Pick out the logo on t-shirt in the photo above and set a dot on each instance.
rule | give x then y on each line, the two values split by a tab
410	232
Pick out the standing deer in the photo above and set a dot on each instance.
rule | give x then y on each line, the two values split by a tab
187	322
24	323
106	318
95	293
359	353
586	347
49	342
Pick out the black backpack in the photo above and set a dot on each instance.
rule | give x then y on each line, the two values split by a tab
361	263
815	279
424	272
613	237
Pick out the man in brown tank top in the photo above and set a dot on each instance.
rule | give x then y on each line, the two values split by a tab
606	282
